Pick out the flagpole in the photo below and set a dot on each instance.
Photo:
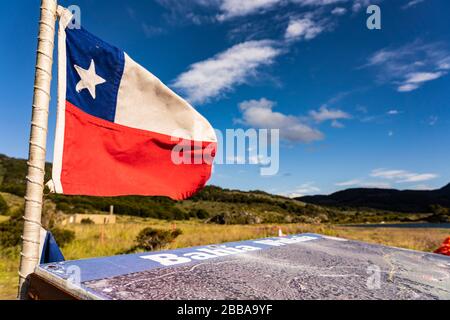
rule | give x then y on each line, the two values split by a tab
37	147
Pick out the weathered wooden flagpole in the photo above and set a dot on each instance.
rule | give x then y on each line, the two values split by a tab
38	141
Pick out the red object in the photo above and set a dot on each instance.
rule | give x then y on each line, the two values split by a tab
444	248
102	158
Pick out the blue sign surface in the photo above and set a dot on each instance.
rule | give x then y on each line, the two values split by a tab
108	267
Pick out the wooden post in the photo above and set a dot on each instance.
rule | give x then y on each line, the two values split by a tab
102	232
38	142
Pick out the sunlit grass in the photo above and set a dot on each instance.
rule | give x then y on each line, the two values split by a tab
14	202
9	265
3	218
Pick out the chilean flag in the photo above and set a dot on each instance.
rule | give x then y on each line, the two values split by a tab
120	130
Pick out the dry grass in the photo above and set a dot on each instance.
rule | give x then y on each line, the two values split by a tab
3	218
14	202
415	239
9	263
97	241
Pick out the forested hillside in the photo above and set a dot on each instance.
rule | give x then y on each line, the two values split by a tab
212	204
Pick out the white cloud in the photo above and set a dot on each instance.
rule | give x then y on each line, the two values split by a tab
419	77
252	159
410	66
354	182
337	124
339	11
209	11
412	3
360	4
407	87
151	31
303	29
357	183
402	176
317	3
303	190
375	184
221	73
415	79
393	112
238	8
251	6
193	11
421	187
325	114
262	103
210	78
388	174
433	120
384	178
414	177
260	114
444	64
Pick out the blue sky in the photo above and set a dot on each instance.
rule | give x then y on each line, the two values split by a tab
356	107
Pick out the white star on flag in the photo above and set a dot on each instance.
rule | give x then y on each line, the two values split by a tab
89	79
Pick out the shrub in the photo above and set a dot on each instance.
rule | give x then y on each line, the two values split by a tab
62	236
236	218
3	206
11	230
180	214
439	210
64	207
199	213
218	219
150	239
87	221
16	189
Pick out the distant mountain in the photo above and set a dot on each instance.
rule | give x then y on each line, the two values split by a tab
413	201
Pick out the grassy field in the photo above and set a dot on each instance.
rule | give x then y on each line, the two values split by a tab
97	241
14	202
3	218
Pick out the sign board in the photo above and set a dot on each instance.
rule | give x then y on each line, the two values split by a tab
306	266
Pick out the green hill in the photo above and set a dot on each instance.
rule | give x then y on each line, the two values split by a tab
214	203
419	201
